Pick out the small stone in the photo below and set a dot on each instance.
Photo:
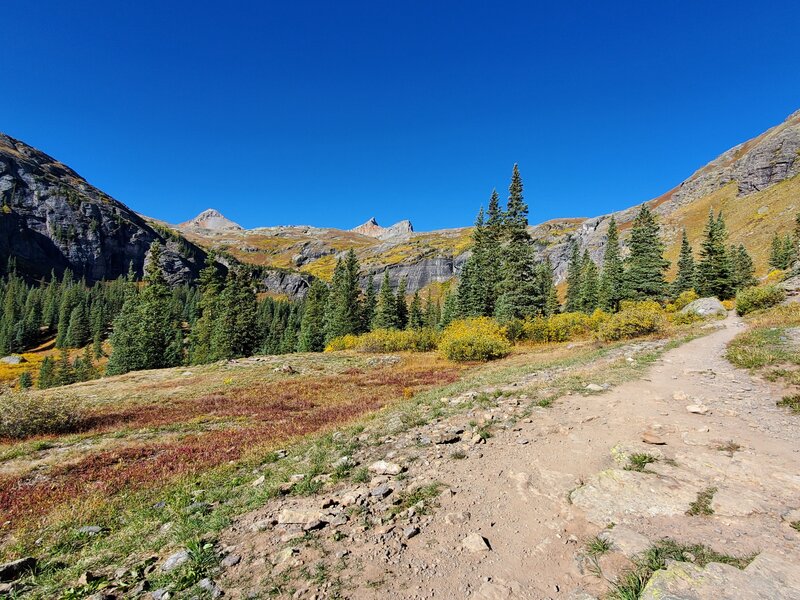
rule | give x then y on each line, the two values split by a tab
651	437
160	594
680	396
475	542
209	586
174	561
89	530
383	467
410	532
522	441
381	491
593	387
259	481
198	508
456	518
231	560
697	409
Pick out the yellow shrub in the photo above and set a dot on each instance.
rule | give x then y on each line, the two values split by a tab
758	298
684	299
633	320
481	338
685	318
25	414
563	327
395	340
729	304
775	276
346	342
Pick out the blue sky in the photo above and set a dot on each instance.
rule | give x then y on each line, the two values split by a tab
327	113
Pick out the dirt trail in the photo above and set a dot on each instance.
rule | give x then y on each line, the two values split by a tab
537	491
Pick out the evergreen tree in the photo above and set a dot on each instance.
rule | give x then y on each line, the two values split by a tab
369	305
645	266
433	312
714	268
312	327
402	306
234	333
342	313
47	373
743	269
449	309
416	318
789	250
590	285
65	372
145	332
612	280
78	331
25	381
574	279
210	285
386	310
469	299
517	297
686	279
778	258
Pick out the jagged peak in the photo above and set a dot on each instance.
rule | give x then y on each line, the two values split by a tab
372	229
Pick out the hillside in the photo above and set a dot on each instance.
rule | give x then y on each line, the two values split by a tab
755	184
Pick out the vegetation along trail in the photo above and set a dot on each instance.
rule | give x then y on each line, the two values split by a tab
559	501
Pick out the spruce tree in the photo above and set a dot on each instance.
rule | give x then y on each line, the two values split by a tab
386	310
590	286
517	286
612	280
312	325
449	309
416	318
743	269
789	250
469	297
235	333
402	305
78	333
433	311
25	381
64	372
342	313
47	373
574	279
778	258
210	285
645	266
686	279
369	305
714	268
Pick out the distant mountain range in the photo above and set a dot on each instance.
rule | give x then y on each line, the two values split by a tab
52	219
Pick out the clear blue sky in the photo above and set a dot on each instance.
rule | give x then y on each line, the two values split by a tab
327	113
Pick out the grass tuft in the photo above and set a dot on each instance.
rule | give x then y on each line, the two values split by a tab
702	506
639	461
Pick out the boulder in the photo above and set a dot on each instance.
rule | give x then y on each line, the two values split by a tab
705	307
13	359
15	569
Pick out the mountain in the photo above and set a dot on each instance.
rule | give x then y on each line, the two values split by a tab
397	231
212	220
52	220
755	184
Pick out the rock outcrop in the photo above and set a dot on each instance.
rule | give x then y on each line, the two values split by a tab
51	219
211	219
399	230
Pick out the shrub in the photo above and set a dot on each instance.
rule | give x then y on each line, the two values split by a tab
687	318
684	299
474	339
563	327
633	320
345	342
758	298
729	304
387	340
24	415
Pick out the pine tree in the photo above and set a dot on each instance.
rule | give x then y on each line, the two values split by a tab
47	373
449	309
777	258
645	266
416	318
469	297
342	313
612	280
65	372
686	279
402	306
743	270
78	331
517	297
433	311
145	333
234	333
369	305
789	251
714	268
312	327
386	310
25	381
210	285
590	286
574	279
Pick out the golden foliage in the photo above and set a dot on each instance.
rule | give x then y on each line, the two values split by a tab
633	320
480	338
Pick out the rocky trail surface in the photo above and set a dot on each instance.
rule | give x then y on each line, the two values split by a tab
513	514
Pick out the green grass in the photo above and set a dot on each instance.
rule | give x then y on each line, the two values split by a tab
792	402
795	525
639	461
630	584
702	506
424	496
597	546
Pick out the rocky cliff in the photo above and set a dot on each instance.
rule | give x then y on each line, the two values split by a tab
400	230
211	219
51	219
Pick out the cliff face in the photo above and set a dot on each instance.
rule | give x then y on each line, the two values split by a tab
51	219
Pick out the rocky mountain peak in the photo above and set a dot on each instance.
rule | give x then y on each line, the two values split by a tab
211	219
371	228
